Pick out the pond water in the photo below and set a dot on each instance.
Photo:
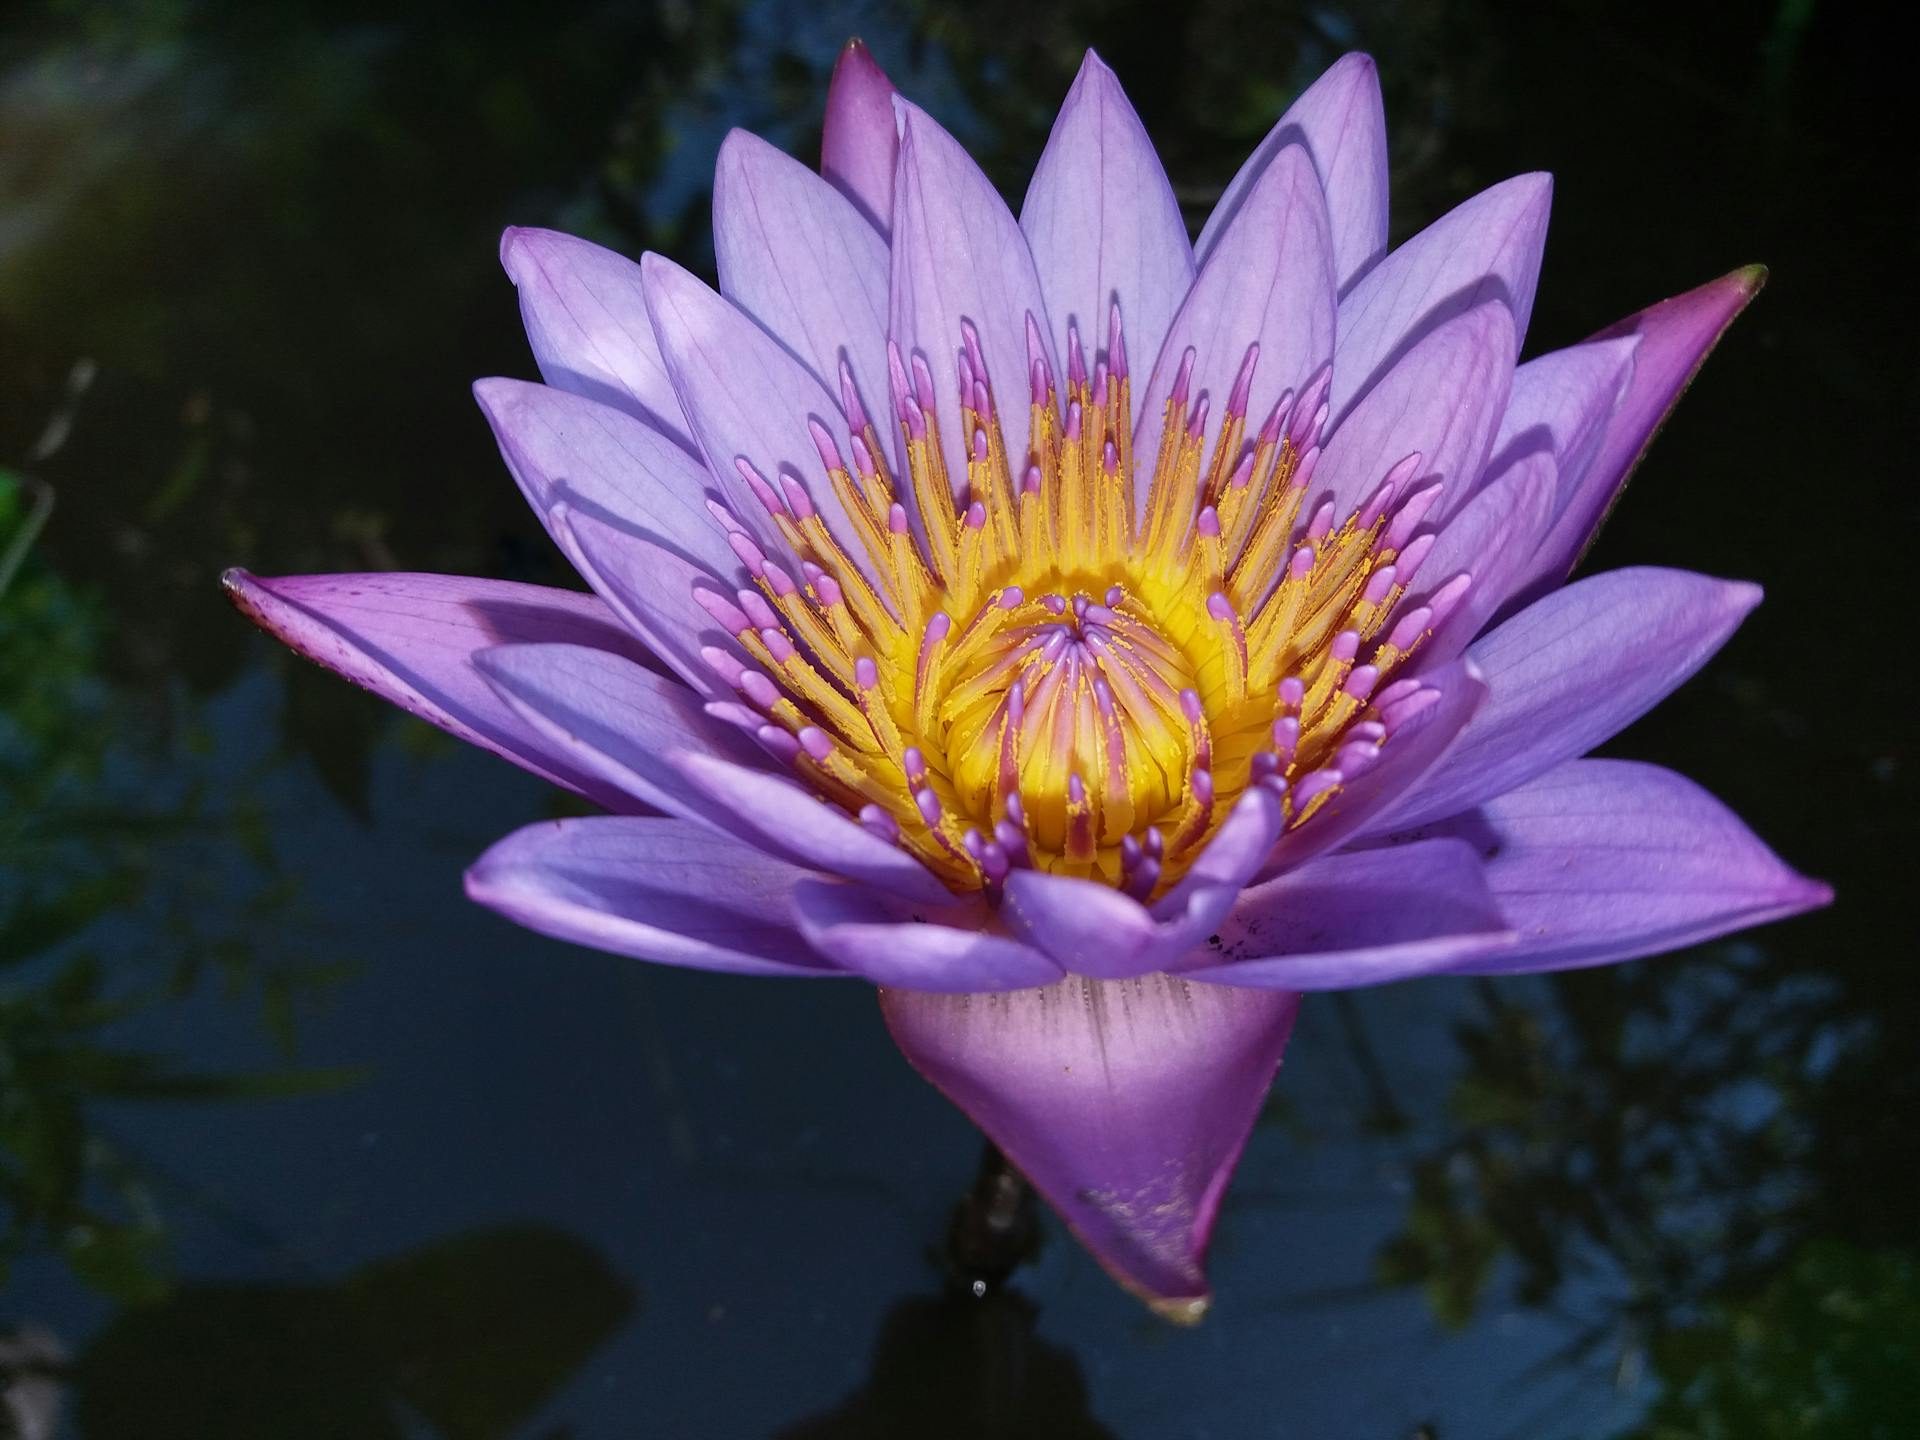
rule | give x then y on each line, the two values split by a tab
294	1142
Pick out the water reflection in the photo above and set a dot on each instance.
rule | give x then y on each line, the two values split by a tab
1681	1163
463	1339
963	1367
95	834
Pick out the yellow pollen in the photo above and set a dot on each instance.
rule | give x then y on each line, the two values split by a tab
1046	673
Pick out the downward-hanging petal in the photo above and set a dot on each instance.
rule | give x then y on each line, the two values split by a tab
1571	671
1127	1103
587	321
1341	122
959	257
1102	222
1605	860
411	639
795	254
858	141
1487	248
661	890
1361	917
1674	338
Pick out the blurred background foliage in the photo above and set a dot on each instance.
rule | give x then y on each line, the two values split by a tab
247	264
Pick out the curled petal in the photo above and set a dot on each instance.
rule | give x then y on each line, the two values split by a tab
1605	860
1127	1103
657	889
411	639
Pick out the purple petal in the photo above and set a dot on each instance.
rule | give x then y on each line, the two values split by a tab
781	816
587	321
747	398
1410	751
1340	121
1270	281
410	639
1605	860
1125	1102
1093	929
914	946
1487	248
1361	917
649	588
858	142
563	449
1492	537
1560	405
796	255
615	721
959	255
656	889
1102	221
1443	399
1574	669
1674	338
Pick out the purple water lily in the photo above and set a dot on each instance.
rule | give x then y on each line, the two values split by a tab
1093	726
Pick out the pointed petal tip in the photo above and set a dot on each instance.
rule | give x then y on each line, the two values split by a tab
856	54
1184	1311
518	244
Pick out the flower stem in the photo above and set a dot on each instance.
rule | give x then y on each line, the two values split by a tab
995	1226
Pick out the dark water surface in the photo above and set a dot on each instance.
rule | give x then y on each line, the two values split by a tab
296	1143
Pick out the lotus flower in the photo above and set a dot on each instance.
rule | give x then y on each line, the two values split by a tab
1093	638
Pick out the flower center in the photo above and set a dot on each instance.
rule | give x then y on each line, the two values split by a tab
1080	705
1054	671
